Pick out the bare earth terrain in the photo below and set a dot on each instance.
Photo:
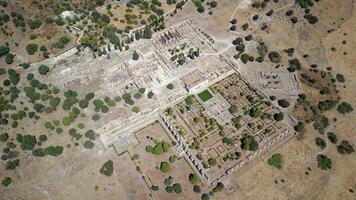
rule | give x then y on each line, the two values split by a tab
195	109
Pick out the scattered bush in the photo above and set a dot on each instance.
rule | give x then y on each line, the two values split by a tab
332	137
154	188
90	134
340	78
170	86
193	178
205	196
212	162
89	96
274	57
160	148
320	142
196	189
136	109
233	109
248	142
96	117
276	160
9	58
88	144
34	24
177	188
107	168
135	56
324	162
283	103
219	186
4	50
164	167
6	181
31	48
344	108
83	103
4	137
345	147
54	150
43	69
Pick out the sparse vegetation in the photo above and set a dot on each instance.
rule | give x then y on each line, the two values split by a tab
324	162
276	160
107	168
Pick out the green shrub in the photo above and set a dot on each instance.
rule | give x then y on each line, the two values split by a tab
340	78
294	64
83	103
177	188
345	147
283	103
299	127
117	99
96	117
154	188
88	144
38	152
54	102
219	186
4	137
136	109
278	116
28	142
12	164
325	91
54	150
164	167
98	103
135	56
324	162
2	71
274	57
9	58
30	76
344	108
43	138
233	109
276	160
31	48
6	181
169	189
66	121
170	86
160	148
248	142
196	189
320	142
59	130
332	137
255	111
193	178
104	109
212	162
205	196
89	96
4	50
137	95
43	69
107	168
327	105
149	149
34	23
172	159
90	134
